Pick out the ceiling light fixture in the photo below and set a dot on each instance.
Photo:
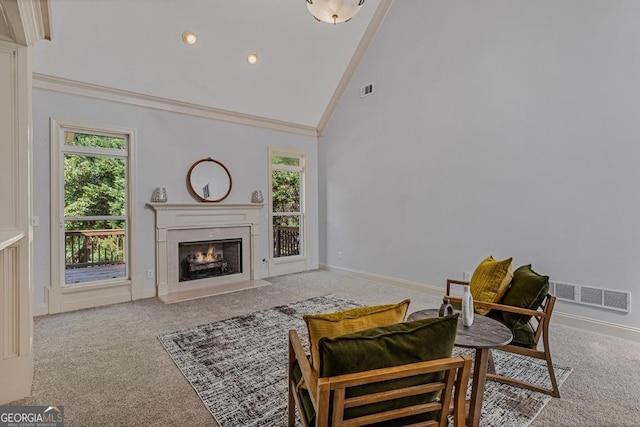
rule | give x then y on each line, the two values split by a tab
252	59
334	11
189	37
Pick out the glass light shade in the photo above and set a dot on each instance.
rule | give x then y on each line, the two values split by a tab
334	11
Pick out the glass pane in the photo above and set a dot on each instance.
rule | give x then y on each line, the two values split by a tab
286	236
289	161
286	191
85	140
94	250
94	186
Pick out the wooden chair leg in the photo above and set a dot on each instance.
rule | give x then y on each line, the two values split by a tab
545	355
492	366
552	373
291	402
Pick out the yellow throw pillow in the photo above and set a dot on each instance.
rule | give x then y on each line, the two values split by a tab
333	325
489	282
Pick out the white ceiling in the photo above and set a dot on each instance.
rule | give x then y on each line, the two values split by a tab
136	45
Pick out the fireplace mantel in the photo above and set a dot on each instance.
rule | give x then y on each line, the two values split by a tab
203	206
171	217
182	215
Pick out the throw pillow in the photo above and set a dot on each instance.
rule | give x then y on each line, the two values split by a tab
527	290
349	321
489	282
394	345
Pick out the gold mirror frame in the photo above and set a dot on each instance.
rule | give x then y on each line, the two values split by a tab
210	176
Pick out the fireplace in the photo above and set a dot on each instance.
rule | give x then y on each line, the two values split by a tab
205	249
212	258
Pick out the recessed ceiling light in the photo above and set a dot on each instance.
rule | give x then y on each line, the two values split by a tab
189	37
252	59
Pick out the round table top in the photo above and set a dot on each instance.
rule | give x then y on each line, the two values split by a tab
484	332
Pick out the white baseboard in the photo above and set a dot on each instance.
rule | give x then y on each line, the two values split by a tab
578	322
140	292
599	326
387	280
40	309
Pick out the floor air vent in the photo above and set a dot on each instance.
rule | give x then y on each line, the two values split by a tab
591	296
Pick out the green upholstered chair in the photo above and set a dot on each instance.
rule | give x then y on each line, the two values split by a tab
526	310
395	375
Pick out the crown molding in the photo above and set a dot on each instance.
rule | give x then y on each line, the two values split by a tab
25	21
365	42
74	87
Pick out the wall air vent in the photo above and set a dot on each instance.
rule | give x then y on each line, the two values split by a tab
589	295
605	298
366	90
564	291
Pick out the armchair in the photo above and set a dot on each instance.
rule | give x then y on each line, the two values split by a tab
417	393
529	325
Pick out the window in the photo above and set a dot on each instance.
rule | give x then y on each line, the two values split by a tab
91	174
287	173
94	216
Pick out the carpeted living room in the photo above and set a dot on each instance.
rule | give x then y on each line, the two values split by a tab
107	366
188	182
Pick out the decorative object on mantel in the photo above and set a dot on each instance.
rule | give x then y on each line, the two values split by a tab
159	195
209	180
256	197
334	11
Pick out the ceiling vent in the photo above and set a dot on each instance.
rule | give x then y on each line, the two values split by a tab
366	90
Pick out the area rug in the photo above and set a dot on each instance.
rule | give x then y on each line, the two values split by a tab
238	367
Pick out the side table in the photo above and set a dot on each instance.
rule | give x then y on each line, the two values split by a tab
484	334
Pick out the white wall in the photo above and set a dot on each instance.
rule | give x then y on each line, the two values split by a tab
497	127
167	145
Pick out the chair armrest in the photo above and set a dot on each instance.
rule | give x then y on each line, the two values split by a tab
401	371
507	308
310	378
498	306
455	282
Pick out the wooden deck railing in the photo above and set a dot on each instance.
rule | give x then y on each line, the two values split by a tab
84	248
286	241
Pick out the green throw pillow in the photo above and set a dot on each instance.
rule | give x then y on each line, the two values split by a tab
394	345
527	290
350	321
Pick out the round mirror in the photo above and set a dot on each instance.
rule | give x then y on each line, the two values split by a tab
209	180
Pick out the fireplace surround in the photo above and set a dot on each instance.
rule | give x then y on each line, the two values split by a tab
205	249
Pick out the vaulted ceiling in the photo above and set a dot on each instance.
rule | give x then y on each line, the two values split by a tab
136	46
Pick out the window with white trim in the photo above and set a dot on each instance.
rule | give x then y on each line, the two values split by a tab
287	173
91	215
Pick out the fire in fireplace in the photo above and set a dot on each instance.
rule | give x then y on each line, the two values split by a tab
201	260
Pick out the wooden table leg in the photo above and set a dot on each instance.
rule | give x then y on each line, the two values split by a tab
477	387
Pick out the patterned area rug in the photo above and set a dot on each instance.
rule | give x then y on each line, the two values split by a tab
238	367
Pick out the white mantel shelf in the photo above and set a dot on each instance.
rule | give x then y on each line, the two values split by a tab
203	206
195	215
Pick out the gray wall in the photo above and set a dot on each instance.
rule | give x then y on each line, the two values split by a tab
504	128
167	145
